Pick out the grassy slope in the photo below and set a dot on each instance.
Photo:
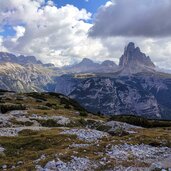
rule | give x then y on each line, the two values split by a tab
30	145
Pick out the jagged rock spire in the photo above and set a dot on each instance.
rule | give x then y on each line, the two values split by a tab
135	60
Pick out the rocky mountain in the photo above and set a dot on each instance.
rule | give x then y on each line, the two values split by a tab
24	78
141	94
131	62
24	73
21	59
87	65
135	87
134	61
108	66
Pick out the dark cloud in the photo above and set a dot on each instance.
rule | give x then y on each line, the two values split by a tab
149	18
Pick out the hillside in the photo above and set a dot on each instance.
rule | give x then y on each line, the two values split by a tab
141	94
41	131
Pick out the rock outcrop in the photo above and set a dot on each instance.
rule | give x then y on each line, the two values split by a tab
134	61
20	78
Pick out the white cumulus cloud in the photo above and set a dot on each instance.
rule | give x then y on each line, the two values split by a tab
60	35
57	35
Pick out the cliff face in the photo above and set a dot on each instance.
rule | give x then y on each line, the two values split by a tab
134	61
137	95
24	78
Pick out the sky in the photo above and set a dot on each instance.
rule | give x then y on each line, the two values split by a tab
66	31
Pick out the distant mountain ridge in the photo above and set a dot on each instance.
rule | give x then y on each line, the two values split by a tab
26	78
131	62
21	59
87	65
134	87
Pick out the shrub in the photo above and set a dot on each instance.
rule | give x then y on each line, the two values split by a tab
82	122
37	96
83	113
48	123
9	107
43	107
49	104
140	121
27	123
67	106
118	132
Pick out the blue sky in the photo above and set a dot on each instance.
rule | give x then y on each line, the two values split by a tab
7	31
90	5
61	35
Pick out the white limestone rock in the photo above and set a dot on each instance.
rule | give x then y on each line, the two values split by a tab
88	135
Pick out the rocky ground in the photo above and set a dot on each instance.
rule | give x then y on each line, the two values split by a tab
49	132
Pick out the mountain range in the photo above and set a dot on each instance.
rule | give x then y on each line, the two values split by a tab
87	65
21	59
135	86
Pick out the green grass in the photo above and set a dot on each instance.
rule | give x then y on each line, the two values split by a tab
4	108
29	145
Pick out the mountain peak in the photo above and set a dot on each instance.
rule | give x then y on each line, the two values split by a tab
86	61
108	63
21	59
135	60
130	46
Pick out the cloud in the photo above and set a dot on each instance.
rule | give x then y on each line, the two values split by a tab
145	22
57	35
60	35
147	18
2	48
20	30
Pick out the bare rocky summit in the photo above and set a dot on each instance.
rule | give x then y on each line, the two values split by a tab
134	61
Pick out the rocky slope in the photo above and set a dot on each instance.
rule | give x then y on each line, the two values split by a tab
50	132
20	78
134	61
142	94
